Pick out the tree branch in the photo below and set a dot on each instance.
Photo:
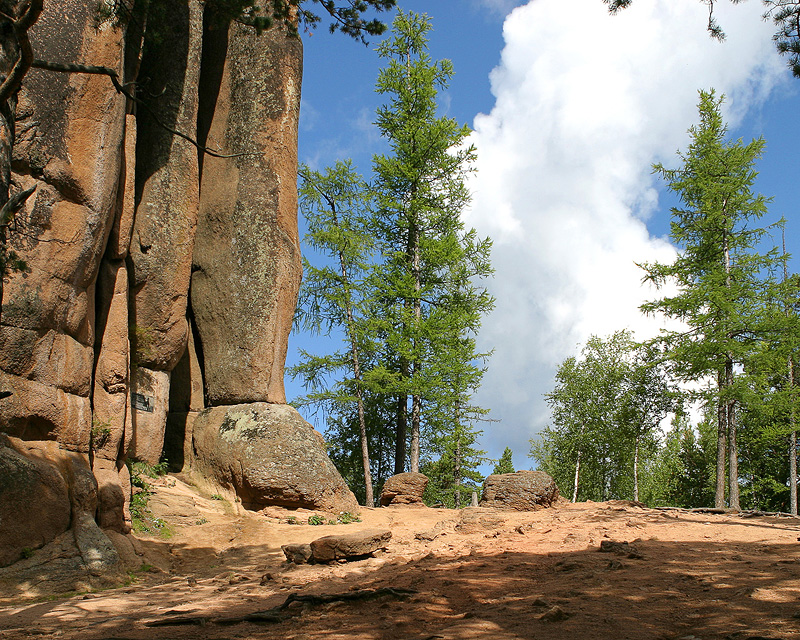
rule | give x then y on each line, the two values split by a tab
106	71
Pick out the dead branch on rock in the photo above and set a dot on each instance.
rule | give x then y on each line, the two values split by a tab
107	71
280	613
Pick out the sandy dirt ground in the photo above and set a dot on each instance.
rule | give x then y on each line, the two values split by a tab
476	573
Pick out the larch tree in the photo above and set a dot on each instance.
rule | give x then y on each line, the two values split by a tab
336	204
430	262
718	274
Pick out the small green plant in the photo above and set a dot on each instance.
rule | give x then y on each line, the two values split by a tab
292	520
216	496
142	340
202	521
333	521
27	552
100	433
142	519
345	517
316	520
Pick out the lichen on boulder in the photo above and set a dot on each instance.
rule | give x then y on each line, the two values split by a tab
268	455
521	491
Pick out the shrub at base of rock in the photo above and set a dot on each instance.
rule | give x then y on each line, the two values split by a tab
338	547
521	491
404	488
268	455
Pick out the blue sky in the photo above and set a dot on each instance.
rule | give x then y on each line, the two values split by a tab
569	111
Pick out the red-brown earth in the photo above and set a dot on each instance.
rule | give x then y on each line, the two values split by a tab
477	573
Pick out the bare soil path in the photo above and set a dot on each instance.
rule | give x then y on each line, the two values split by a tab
478	573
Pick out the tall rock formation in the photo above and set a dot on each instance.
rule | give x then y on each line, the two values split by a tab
106	358
247	257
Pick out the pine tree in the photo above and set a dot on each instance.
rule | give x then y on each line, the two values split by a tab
717	272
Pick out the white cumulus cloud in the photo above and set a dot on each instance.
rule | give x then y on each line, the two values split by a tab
585	103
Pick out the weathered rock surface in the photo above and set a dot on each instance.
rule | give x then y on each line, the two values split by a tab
522	491
109	439
298	553
70	129
349	545
247	259
269	455
113	495
148	416
404	488
24	482
167	181
64	491
338	547
478	520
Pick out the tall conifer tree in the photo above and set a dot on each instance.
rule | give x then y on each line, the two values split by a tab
429	260
718	273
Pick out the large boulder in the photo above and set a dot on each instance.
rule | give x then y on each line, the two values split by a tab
404	488
345	546
268	455
246	271
521	491
349	545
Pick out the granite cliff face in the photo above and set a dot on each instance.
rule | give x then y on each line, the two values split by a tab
162	280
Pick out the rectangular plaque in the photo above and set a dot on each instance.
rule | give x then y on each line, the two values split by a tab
141	402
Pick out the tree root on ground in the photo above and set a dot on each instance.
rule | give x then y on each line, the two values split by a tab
281	612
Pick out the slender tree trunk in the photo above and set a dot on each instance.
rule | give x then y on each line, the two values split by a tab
722	438
356	364
416	400
402	431
636	471
457	472
792	445
733	449
577	477
792	415
793	473
416	406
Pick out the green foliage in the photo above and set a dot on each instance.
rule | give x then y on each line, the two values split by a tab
719	275
345	517
216	496
429	279
143	520
316	520
401	282
606	408
142	341
347	17
505	463
27	552
99	434
452	468
292	520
